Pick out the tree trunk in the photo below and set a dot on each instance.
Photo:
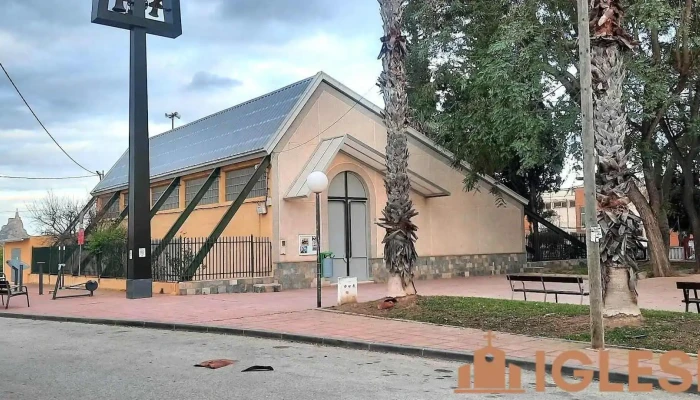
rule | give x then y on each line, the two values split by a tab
658	252
620	227
689	203
665	229
399	240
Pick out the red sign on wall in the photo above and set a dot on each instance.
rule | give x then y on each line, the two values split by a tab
81	236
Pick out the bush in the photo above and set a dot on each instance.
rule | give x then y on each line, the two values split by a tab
108	244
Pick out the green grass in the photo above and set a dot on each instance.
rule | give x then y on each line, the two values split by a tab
660	330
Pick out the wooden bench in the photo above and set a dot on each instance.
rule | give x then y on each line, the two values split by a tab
687	287
543	280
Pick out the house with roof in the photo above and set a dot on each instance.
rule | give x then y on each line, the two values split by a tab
319	124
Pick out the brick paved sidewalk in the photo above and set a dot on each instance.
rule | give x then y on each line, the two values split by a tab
270	312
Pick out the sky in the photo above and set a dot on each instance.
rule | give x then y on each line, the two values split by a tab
75	75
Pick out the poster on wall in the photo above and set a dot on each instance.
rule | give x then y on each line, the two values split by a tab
307	245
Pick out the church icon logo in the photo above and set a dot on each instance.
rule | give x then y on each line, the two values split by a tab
489	372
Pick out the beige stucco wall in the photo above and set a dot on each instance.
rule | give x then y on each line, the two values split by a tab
462	223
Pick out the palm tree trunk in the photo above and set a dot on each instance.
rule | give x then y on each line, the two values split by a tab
621	228
399	240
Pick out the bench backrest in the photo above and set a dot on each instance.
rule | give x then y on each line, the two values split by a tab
545	278
524	278
687	285
562	279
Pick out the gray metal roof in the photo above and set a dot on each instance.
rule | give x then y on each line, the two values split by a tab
239	130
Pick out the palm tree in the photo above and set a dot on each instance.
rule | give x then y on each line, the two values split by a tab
399	240
620	227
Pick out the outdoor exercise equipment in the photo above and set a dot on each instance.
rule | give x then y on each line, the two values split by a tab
90	286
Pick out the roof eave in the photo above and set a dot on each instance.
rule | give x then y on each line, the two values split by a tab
190	170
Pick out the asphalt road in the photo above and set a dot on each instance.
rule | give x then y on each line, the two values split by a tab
67	361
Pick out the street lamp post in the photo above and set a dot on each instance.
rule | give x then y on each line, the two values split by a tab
317	182
131	15
172	117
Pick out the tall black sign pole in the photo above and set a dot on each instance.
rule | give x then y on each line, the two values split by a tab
138	271
138	268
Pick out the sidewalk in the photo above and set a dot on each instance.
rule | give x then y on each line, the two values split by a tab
287	315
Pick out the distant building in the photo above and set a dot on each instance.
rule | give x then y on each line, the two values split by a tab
13	230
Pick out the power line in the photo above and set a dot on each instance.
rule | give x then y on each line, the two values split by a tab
45	177
362	97
40	123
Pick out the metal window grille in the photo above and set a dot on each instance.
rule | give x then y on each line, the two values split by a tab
236	180
172	202
192	187
113	210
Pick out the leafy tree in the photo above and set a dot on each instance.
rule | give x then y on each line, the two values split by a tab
497	58
472	87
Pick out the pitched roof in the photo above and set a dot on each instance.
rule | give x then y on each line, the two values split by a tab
256	126
242	129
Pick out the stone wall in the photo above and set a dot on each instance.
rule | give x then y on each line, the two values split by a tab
553	266
445	267
243	285
296	275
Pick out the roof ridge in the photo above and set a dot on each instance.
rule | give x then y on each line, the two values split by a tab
291	85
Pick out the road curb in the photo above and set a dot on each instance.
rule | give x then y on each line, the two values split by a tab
464	357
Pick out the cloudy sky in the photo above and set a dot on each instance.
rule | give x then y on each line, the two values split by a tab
75	76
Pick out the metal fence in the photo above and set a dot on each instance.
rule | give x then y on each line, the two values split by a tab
229	258
550	246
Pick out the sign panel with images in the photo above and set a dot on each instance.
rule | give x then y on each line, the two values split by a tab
307	245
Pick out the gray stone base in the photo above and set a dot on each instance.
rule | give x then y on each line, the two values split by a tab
553	266
298	275
446	267
139	288
241	285
302	275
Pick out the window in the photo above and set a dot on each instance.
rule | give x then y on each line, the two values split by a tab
113	210
126	200
172	202
559	204
572	204
236	180
192	186
582	211
548	206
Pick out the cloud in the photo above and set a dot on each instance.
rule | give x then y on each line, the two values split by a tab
203	80
75	75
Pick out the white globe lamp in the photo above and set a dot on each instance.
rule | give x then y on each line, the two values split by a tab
317	181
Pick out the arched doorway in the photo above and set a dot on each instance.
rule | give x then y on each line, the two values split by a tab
348	231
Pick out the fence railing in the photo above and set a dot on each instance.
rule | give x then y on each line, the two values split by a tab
550	246
228	258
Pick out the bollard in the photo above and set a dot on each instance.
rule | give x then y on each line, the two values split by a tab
41	277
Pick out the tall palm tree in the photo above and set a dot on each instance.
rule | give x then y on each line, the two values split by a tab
620	227
399	241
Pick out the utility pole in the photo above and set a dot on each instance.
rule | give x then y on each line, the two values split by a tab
592	229
172	117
